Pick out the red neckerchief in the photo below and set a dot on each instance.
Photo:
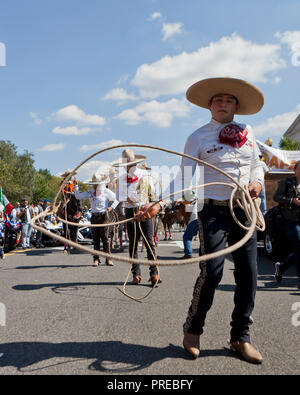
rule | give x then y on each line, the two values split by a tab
97	193
132	179
233	135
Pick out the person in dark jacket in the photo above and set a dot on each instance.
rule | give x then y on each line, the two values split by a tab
288	197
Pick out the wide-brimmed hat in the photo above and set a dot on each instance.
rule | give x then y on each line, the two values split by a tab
98	179
144	166
128	159
250	98
66	173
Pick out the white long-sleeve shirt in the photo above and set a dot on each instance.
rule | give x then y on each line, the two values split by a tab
99	203
130	190
242	164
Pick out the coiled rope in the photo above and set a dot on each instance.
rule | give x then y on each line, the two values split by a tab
244	201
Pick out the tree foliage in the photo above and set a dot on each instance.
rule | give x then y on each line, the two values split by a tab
288	144
19	178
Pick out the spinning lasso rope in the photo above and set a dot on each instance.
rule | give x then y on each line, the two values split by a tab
244	201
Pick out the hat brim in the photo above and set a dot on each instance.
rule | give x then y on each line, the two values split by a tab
93	182
120	162
97	182
67	173
144	167
250	98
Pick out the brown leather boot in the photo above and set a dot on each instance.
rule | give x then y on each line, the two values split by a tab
109	262
96	262
247	352
136	280
155	280
191	344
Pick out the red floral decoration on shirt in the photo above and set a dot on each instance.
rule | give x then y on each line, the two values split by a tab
233	135
132	179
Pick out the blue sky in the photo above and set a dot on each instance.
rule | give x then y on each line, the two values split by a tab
79	76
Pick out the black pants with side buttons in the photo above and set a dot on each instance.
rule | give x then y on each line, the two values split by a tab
100	233
217	228
134	235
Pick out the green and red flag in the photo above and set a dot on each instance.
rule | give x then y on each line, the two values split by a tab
7	206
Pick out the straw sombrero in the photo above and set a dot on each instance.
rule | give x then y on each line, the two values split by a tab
98	179
250	98
128	159
144	166
66	173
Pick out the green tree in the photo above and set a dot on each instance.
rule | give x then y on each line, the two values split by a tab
19	178
288	144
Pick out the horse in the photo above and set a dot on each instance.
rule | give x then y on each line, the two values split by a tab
116	231
175	213
70	210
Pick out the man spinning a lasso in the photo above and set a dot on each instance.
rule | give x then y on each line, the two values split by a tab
135	188
231	147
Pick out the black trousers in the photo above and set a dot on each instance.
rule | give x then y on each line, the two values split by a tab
70	232
134	234
217	228
100	233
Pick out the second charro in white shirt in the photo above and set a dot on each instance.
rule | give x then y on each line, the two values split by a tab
99	199
133	193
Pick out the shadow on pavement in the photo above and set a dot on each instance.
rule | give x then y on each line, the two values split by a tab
107	355
54	287
51	267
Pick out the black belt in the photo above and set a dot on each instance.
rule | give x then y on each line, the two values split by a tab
131	209
224	203
98	214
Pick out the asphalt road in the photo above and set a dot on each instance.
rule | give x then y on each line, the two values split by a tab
65	317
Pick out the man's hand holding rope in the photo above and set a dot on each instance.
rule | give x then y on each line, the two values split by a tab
254	189
149	211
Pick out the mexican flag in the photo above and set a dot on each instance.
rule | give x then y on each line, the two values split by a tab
4	203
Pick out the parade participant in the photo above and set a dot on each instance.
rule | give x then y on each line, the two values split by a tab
2	232
288	197
231	147
46	205
152	196
41	222
192	228
99	197
113	177
70	209
25	214
262	195
130	188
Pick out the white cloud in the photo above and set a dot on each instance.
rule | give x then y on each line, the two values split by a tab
156	113
119	94
230	56
155	15
85	172
171	29
290	38
276	126
74	113
131	117
34	116
71	131
100	146
51	148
